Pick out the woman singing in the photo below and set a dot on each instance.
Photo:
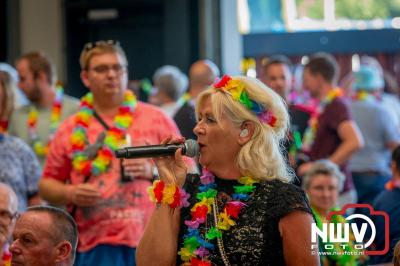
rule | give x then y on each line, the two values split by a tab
242	210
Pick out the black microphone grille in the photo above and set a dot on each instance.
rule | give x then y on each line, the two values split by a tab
192	148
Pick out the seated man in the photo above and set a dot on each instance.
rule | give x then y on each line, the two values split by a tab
8	212
44	235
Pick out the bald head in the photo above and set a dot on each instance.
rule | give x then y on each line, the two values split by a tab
202	74
8	194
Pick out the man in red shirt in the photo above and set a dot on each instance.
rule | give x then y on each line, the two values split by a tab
107	198
332	134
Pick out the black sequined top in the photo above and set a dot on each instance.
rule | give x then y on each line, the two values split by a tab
255	239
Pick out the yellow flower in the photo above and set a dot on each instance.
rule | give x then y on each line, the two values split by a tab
185	254
152	197
168	194
247	181
224	222
205	201
235	87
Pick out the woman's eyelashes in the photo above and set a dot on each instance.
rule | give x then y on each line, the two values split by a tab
210	119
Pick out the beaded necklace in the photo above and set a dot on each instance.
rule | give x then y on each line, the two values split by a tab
311	131
114	137
39	147
196	248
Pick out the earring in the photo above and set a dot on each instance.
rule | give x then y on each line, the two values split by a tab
244	133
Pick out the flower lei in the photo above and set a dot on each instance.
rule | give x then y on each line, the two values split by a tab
311	131
183	99
168	194
6	259
114	136
364	95
335	254
196	248
39	147
392	184
236	89
3	128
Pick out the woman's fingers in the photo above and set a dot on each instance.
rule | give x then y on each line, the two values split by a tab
173	140
171	168
167	140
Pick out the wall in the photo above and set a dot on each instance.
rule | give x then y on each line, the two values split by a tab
41	29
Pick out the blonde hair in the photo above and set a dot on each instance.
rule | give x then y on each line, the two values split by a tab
8	86
260	157
99	48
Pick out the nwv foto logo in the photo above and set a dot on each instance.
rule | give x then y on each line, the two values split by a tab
340	232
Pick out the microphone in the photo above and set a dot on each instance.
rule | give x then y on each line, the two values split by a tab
189	148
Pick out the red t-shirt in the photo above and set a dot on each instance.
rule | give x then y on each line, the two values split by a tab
327	138
124	210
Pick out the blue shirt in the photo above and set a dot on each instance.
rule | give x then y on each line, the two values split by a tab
19	168
378	129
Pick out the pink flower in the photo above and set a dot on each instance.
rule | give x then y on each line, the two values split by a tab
202	252
207	177
184	198
194	224
268	118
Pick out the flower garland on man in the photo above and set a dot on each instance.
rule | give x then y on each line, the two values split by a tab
37	122
106	196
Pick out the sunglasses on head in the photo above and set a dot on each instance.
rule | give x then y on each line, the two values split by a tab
90	45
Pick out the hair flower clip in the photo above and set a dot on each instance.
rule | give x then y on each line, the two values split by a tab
237	90
268	118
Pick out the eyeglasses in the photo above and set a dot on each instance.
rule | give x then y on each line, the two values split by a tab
103	69
90	45
7	215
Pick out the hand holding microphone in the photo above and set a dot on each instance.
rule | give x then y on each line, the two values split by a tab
189	148
171	167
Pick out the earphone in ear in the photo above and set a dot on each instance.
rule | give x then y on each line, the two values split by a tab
244	133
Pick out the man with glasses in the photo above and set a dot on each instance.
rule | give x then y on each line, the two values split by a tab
8	212
107	198
37	122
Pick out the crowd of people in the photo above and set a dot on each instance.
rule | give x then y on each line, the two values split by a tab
268	167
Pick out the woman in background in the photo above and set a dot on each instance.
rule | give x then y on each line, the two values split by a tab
322	183
19	167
